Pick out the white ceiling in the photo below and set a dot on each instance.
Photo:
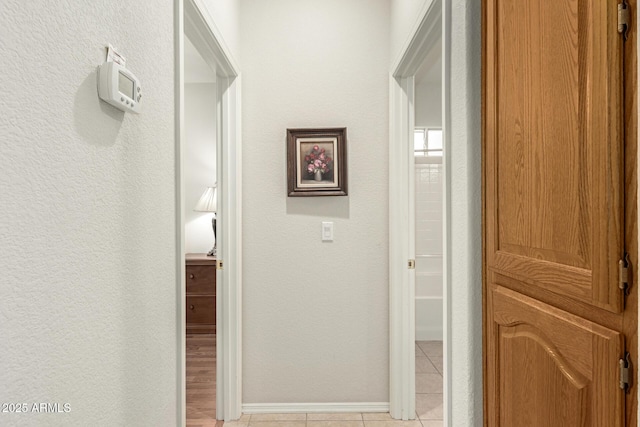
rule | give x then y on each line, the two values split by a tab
196	70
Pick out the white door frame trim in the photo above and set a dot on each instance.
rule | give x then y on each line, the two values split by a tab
401	287
203	33
426	33
181	319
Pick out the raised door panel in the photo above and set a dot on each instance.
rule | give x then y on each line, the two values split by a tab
548	367
553	135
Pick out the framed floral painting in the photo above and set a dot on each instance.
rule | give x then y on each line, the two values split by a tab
317	162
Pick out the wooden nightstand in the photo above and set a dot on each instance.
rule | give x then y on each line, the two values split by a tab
201	294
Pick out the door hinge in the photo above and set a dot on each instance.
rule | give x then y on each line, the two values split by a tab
219	265
625	372
623	273
624	19
412	264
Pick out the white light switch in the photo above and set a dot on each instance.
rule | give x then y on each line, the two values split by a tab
327	231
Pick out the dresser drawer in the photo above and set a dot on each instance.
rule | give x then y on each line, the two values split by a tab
201	279
201	310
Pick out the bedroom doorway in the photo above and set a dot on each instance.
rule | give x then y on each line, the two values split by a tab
200	149
209	287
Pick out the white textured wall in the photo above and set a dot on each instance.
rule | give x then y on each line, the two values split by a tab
404	16
199	163
87	216
315	314
462	20
226	17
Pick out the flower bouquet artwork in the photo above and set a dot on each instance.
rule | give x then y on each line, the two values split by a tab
319	163
316	162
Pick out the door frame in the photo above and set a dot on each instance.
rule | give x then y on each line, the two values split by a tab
193	18
402	402
462	296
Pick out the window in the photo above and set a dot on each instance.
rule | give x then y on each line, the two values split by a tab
427	142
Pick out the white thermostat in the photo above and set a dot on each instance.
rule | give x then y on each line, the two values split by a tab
119	87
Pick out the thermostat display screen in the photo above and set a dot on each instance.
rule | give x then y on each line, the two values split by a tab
125	85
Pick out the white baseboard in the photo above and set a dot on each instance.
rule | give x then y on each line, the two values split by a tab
288	408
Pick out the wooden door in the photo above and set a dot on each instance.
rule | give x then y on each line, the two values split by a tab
559	147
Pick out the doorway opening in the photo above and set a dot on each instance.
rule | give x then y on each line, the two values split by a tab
457	24
417	179
208	287
200	222
428	229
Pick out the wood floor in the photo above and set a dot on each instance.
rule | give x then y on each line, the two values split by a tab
201	381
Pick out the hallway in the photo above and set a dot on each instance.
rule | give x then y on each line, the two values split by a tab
429	402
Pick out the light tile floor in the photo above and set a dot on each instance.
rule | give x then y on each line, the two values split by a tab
428	402
328	420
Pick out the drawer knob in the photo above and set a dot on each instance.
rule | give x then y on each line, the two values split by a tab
191	307
191	276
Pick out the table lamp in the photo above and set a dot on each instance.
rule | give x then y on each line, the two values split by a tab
208	203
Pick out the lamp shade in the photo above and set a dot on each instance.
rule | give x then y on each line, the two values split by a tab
208	201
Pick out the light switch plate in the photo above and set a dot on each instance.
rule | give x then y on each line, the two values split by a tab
327	231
